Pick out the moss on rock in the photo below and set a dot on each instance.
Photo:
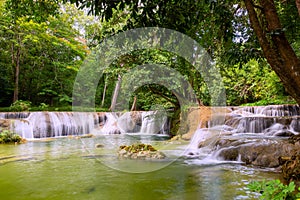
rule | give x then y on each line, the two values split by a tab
140	151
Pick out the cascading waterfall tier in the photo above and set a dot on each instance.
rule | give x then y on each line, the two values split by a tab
274	120
56	124
256	135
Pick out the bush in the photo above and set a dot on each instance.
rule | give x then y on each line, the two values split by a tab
43	106
252	82
7	137
274	190
20	105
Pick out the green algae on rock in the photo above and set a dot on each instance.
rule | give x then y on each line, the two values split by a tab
140	151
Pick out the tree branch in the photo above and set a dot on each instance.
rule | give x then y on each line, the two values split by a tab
161	94
278	37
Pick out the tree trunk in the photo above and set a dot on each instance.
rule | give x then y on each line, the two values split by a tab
16	62
116	93
275	45
133	107
104	93
298	6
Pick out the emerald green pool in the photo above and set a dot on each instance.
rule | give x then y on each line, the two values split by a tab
70	168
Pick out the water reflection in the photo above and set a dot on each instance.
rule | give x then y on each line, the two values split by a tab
68	168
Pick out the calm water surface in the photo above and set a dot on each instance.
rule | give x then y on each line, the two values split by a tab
69	168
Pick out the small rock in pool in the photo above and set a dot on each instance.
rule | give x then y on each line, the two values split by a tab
99	145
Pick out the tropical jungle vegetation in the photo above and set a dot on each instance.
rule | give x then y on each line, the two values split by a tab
255	45
274	189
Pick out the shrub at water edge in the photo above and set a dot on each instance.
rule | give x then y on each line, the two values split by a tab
274	190
7	137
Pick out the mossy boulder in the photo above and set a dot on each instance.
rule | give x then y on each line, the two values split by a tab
140	151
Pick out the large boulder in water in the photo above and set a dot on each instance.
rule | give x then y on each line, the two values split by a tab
259	153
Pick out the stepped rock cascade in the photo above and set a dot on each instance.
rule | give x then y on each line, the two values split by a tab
254	135
267	120
14	115
31	125
154	122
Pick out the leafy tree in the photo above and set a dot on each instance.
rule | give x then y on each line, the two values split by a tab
272	36
45	52
253	82
28	10
223	28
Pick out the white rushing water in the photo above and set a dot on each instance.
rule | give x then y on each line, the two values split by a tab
153	122
54	124
242	126
57	124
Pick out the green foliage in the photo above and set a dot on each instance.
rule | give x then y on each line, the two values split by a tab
43	106
274	190
223	29
253	82
20	105
7	137
134	148
52	44
49	50
37	11
278	101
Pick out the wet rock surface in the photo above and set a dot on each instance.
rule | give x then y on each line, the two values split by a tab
257	135
262	154
5	123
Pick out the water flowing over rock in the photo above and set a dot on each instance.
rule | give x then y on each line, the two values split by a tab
253	135
31	125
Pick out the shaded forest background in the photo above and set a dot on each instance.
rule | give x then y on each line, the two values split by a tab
44	43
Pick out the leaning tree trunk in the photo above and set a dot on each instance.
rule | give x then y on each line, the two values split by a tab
276	48
133	107
116	93
104	93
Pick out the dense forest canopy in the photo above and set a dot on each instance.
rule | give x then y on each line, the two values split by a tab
223	26
255	45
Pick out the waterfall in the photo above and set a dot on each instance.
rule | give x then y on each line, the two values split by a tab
23	128
143	122
244	129
14	115
130	122
274	120
153	122
260	119
51	124
57	124
111	124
